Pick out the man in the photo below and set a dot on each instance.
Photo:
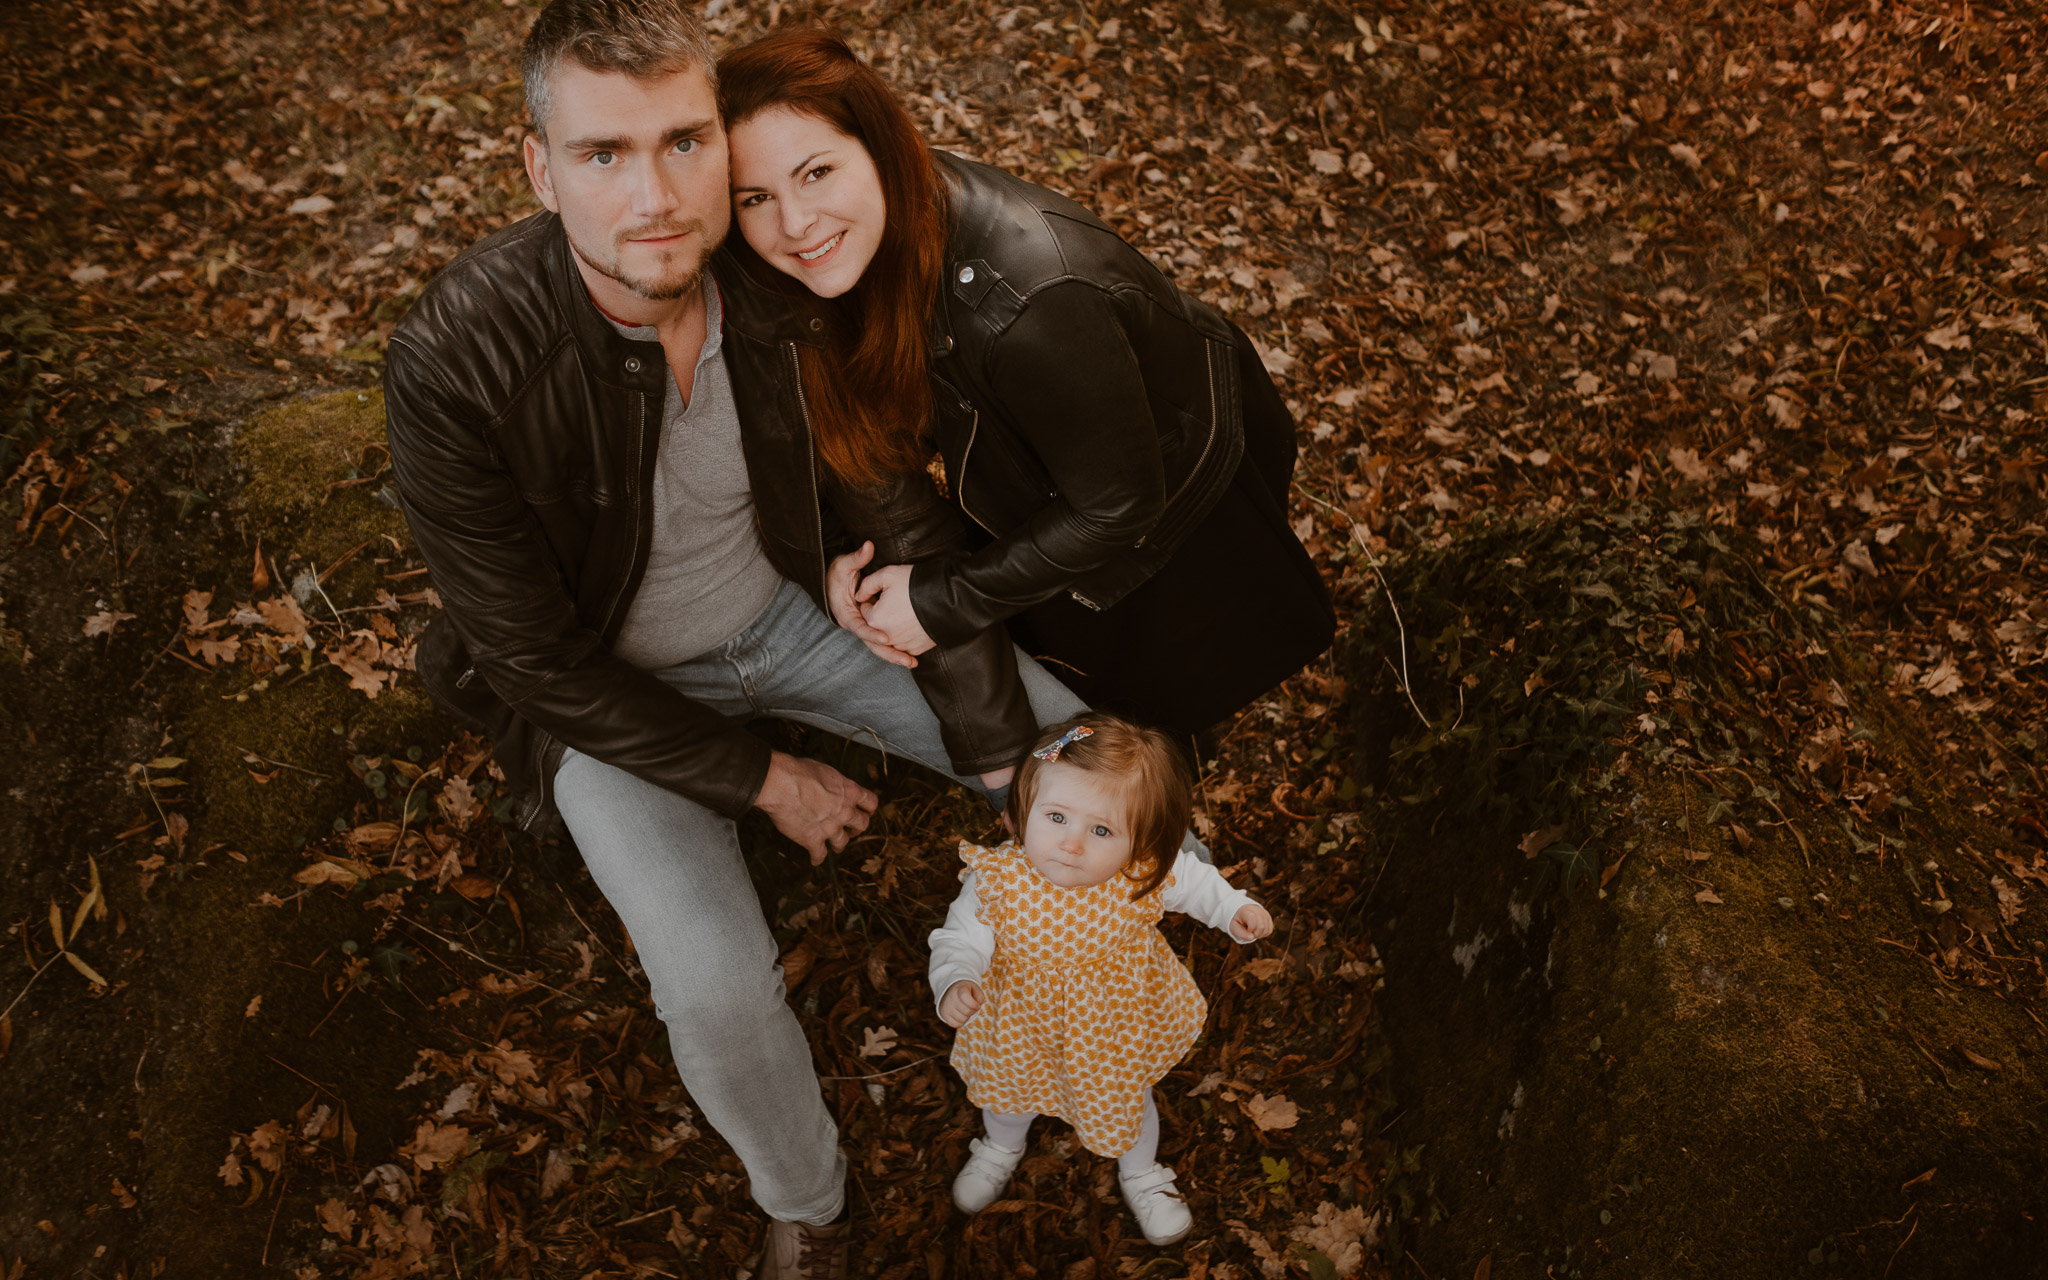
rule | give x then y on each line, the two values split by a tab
602	451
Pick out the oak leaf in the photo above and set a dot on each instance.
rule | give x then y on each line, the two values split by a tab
436	1144
1275	1112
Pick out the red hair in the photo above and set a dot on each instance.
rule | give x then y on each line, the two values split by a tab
868	395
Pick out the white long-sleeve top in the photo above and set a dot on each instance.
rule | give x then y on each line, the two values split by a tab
963	946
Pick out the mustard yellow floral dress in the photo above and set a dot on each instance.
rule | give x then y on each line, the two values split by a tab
1085	1005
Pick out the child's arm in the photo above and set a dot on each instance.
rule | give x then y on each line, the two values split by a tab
1199	890
961	950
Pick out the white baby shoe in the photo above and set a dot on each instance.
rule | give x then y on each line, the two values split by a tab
1162	1215
985	1174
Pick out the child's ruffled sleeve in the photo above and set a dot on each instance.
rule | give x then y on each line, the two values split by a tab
963	946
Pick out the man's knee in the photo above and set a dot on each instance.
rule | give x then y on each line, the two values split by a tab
727	1010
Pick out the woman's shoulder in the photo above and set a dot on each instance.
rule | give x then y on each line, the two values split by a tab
983	192
1010	231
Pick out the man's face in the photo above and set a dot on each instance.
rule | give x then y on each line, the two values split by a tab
637	171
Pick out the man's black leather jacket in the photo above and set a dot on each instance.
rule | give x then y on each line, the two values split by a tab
523	433
1088	413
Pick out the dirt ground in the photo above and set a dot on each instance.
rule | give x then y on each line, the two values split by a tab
290	999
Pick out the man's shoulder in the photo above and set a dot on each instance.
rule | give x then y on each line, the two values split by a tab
497	292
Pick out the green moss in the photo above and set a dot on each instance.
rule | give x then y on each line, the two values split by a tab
318	487
303	730
296	452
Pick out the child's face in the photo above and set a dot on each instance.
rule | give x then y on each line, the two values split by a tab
1075	834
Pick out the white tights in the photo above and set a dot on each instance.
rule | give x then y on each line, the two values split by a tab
1009	1130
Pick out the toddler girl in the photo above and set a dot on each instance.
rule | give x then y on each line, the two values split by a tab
1068	1000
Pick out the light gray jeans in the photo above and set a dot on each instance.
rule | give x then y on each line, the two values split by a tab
672	870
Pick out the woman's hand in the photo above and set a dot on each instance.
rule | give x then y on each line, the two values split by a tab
1251	923
840	581
884	600
961	1002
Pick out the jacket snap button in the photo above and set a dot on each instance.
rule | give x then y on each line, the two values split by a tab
632	364
949	342
967	275
816	324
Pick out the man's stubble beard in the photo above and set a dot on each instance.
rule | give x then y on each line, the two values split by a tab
666	289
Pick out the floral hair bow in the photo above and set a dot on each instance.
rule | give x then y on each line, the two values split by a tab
1051	754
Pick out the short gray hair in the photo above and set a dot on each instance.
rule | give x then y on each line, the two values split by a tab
641	38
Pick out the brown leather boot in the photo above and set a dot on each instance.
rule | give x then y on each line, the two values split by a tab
800	1251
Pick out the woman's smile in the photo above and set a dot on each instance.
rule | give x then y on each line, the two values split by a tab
824	250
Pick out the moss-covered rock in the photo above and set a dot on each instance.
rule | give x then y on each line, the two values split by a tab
1664	1001
272	766
317	484
297	452
242	1024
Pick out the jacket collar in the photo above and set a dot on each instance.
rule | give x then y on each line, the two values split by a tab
750	307
756	307
629	363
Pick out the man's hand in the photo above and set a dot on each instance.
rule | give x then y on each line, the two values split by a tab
840	581
961	1002
814	804
884	600
1250	923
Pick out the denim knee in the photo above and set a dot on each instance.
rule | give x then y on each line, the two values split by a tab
723	1010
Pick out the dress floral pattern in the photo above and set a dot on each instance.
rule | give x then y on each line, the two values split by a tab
1085	1005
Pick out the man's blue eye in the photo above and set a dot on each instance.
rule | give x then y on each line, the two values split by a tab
602	159
686	146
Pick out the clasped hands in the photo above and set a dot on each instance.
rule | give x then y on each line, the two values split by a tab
876	608
964	998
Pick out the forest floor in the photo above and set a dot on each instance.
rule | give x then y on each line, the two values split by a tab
290	1000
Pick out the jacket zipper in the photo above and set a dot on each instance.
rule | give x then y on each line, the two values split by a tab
803	409
960	482
633	565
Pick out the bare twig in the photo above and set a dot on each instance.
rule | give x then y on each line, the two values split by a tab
891	1071
285	764
23	994
1392	604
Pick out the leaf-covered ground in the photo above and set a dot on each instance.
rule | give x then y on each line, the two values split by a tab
1779	263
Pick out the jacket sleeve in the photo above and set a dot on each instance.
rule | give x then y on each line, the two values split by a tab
506	596
1199	890
1089	423
972	686
963	946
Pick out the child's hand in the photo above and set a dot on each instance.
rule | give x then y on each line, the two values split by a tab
1249	924
963	1000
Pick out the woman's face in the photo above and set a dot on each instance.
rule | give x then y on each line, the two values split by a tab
807	198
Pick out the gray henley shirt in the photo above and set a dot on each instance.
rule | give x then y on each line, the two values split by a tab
707	575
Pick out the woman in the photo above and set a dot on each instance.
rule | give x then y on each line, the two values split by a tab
1116	444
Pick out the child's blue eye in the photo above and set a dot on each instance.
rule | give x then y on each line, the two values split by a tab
1060	818
1101	830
